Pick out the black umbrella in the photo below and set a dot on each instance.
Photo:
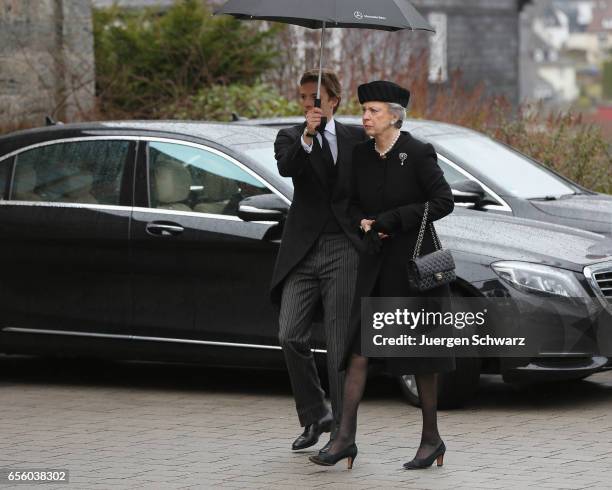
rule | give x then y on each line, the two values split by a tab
387	15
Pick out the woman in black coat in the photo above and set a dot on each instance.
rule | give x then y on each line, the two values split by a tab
394	175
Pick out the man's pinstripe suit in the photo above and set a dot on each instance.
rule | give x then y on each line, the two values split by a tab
317	262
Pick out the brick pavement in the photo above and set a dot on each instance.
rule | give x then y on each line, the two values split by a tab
154	426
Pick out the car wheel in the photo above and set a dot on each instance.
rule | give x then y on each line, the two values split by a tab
409	389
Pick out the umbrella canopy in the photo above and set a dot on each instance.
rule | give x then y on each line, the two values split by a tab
388	15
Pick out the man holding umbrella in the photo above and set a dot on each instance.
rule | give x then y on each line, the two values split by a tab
317	261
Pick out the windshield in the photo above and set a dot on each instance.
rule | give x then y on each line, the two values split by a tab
512	172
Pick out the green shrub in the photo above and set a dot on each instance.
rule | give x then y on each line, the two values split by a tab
145	58
217	103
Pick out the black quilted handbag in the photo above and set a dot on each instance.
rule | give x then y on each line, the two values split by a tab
431	270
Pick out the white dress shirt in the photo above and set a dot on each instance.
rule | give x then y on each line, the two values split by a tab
330	136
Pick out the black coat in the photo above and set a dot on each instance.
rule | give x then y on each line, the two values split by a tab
395	195
311	195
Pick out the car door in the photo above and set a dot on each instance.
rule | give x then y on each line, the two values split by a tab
200	272
65	228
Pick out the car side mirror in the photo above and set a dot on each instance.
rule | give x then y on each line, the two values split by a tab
468	191
265	207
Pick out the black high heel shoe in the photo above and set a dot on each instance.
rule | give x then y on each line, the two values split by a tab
327	459
420	463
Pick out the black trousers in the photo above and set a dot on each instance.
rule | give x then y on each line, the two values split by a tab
328	273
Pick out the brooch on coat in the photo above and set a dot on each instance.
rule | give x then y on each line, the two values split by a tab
402	157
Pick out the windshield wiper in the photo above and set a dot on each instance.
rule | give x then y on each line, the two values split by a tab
545	198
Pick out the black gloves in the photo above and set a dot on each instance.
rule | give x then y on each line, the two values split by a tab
388	222
372	242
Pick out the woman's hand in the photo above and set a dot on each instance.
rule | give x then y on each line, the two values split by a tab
366	224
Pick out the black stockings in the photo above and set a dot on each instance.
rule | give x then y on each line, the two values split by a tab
427	384
354	386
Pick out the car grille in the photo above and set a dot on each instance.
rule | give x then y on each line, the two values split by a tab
600	278
604	281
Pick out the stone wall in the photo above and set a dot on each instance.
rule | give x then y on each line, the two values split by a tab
46	60
482	40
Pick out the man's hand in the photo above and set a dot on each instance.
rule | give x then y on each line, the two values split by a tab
313	119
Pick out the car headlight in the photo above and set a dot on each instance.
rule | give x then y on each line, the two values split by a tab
539	279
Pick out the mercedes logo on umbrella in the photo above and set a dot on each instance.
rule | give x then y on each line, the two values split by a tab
358	15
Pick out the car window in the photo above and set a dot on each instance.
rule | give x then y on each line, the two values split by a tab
453	176
185	178
513	173
86	172
264	155
5	167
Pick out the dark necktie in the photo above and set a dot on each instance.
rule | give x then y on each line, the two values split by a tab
327	153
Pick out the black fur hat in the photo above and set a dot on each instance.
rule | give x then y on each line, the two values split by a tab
383	91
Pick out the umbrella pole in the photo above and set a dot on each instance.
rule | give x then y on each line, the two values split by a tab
321	63
321	128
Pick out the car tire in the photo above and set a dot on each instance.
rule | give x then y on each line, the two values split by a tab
454	388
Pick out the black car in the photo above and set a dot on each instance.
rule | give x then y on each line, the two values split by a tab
492	177
156	240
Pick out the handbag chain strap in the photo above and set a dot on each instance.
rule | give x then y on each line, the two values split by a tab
434	234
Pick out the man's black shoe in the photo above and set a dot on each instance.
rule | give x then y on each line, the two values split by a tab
312	432
325	448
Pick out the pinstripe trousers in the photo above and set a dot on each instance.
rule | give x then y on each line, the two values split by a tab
328	273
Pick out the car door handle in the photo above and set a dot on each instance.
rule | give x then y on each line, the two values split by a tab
164	229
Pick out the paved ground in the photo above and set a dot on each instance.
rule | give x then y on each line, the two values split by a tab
156	426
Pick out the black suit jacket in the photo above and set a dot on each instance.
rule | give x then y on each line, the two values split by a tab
311	195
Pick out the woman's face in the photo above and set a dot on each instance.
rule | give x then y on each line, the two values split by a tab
377	118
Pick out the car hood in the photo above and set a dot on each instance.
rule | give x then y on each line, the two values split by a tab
510	238
580	207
